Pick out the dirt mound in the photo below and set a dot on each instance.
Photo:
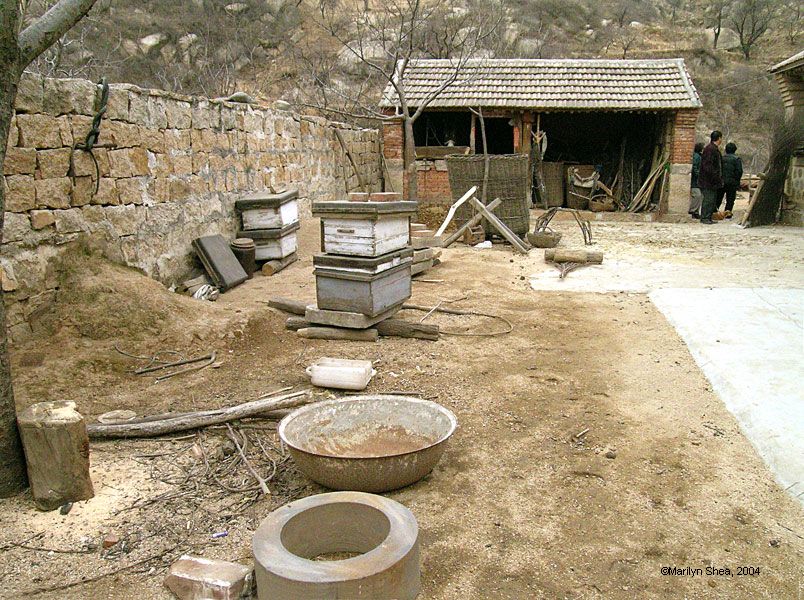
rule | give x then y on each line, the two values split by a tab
101	300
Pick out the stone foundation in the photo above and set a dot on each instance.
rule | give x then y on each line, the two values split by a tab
170	170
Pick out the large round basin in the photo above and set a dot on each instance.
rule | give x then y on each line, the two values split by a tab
368	443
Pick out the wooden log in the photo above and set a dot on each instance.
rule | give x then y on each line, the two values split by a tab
469	224
296	323
56	445
272	267
562	255
386	328
400	328
196	420
337	333
294	307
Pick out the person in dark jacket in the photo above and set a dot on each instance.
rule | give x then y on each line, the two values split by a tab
732	174
710	177
695	191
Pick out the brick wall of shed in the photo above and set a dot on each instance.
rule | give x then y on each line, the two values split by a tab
170	170
682	145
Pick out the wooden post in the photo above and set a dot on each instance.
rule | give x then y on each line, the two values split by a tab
56	445
473	135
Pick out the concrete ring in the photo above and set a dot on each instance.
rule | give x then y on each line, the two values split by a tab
384	533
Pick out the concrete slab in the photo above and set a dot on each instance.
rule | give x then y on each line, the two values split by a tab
749	342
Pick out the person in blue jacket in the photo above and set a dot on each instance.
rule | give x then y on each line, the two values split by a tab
732	174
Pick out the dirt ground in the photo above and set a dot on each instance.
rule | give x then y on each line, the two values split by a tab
519	507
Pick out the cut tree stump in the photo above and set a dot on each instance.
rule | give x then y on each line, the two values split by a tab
54	436
561	255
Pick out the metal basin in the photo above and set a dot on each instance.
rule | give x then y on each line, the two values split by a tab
368	443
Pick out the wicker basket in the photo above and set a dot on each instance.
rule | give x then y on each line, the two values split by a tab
508	180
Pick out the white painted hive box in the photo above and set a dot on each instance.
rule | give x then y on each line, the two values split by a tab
366	229
272	244
263	210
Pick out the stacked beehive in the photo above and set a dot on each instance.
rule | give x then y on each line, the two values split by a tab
363	275
271	220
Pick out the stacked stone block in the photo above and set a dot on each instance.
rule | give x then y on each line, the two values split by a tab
170	167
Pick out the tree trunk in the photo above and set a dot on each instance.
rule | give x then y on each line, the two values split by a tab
411	178
13	476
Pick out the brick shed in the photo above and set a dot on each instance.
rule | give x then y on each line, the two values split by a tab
591	112
790	78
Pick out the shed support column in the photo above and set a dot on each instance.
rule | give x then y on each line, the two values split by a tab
681	148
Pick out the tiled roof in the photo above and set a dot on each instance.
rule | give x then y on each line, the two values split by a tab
794	61
562	84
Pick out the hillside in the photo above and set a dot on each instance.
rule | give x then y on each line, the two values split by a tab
214	48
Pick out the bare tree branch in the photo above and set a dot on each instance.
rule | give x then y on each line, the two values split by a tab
47	29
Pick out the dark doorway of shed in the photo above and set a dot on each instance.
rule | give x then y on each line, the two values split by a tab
499	136
442	129
600	139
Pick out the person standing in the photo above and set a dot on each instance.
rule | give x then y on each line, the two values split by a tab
695	190
732	174
710	177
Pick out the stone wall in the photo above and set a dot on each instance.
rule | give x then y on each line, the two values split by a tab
170	169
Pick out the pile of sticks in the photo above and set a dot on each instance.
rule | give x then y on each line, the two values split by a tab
658	175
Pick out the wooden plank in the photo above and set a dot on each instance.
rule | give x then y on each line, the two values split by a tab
469	224
421	267
499	226
347	320
455	207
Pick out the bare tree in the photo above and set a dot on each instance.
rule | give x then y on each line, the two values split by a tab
793	20
18	48
381	43
715	14
751	19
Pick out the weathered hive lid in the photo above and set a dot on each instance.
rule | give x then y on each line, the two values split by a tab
364	209
265	199
331	261
269	234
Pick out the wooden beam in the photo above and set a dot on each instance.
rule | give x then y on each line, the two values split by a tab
453	208
469	224
509	235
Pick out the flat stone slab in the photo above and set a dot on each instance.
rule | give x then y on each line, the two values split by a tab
349	320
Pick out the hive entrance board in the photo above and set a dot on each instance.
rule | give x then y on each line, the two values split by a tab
221	264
